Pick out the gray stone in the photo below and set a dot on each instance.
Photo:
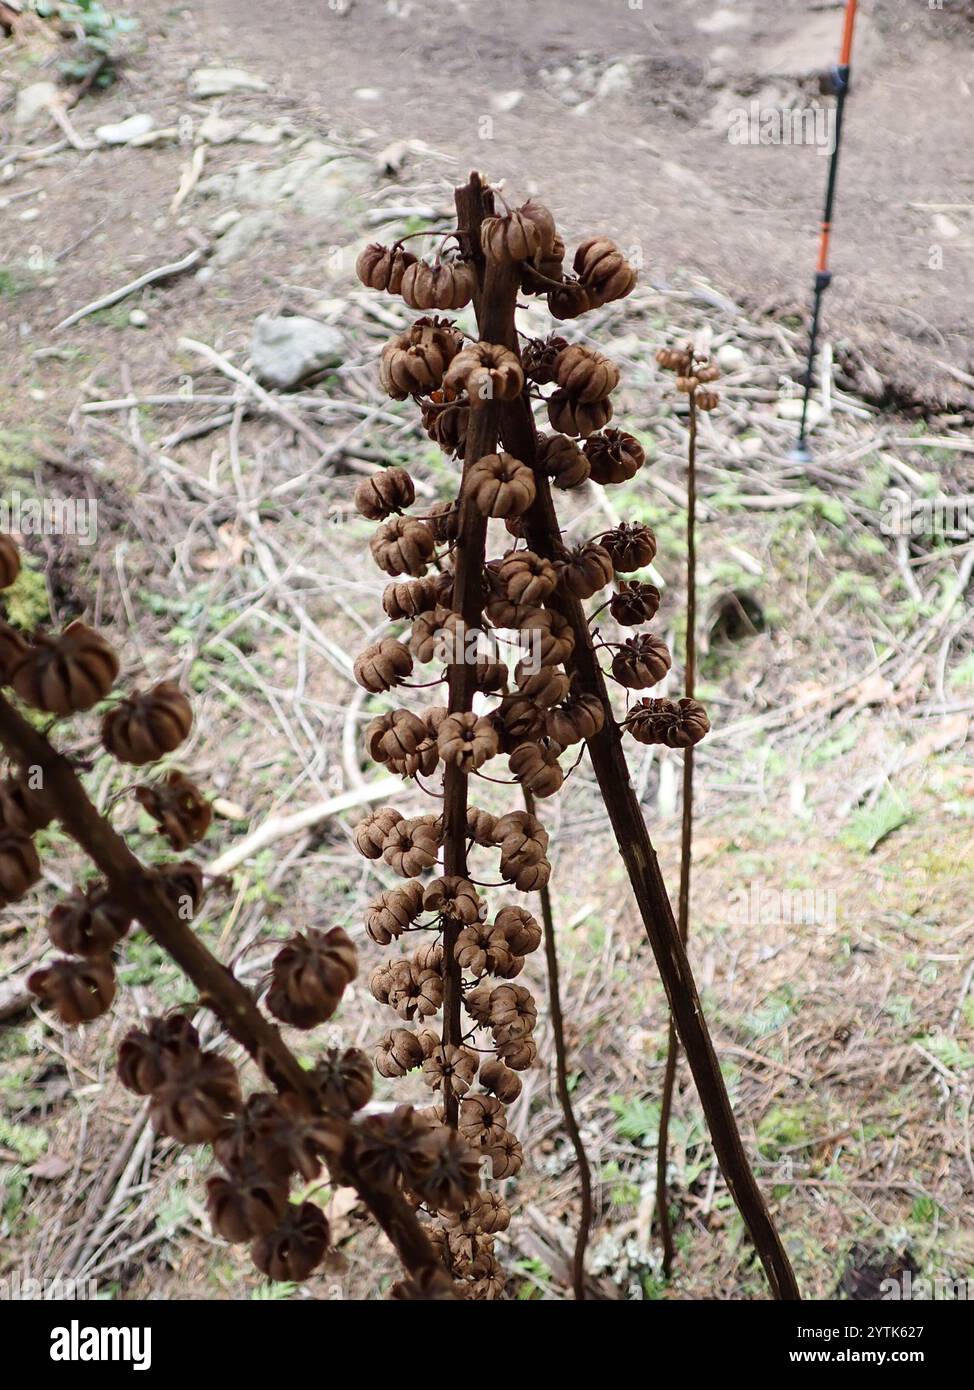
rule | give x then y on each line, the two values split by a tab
285	350
218	82
34	101
121	132
241	236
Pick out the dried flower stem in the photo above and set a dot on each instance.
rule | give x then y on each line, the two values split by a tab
564	1091
135	888
686	848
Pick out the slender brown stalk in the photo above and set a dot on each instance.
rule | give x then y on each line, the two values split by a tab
564	1091
142	895
686	849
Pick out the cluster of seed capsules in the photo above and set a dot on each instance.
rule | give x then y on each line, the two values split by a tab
531	715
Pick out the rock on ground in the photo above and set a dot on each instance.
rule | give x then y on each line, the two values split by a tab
285	350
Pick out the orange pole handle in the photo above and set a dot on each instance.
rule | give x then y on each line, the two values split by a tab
845	57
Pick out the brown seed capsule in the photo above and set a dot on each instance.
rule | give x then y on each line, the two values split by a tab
520	1054
398	1052
183	812
481	950
707	400
516	719
482	1119
344	1080
458	1065
66	674
526	577
549	636
384	1144
539	358
395	735
545	687
547	272
614	457
535	765
513	1012
405	599
641	662
9	561
454	897
585	570
678	360
521	835
466	741
393	912
146	1058
677	724
447	285
500	485
295	1248
487	372
631	546
382	268
424	636
384	493
20	867
585	374
569	300
507	1156
413	990
142	728
89	923
577	720
443	1169
13	649
403	545
634	603
412	846
370	834
573	417
309	975
480	826
413	363
499	1081
431	1284
382	665
446	421
182	884
246	1205
77	990
515	237
22	810
443	519
562	460
603	270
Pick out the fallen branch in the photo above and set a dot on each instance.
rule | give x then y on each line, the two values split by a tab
151	277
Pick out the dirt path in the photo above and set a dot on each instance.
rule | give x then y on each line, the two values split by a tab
629	108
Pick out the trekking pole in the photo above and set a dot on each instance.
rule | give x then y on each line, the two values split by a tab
823	276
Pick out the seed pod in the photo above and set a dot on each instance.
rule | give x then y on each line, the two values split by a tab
309	975
549	635
398	1052
482	1119
677	724
507	1156
481	950
183	812
580	718
521	835
443	1169
569	301
384	1144
425	633
687	385
9	561
370	834
631	546
500	485
491	677
77	990
576	418
614	457
412	846
487	372
20	867
603	270
634	603
245	1205
526	577
414	991
448	285
296	1247
706	372
382	665
393	911
515	237
458	1065
678	360
480	826
562	460
586	570
466	741
380	268
22	811
499	1081
454	897
431	1284
546	687
146	1058
395	735
403	546
446	421
707	400
537	276
513	1012
13	649
641	662
539	358
413	363
386	492
66	674
443	519
406	599
89	923
585	374
344	1080
521	930
516	719
142	728
535	765
182	884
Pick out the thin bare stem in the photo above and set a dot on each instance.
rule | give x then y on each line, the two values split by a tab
564	1091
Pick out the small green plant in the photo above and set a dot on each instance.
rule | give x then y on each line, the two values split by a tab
98	32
